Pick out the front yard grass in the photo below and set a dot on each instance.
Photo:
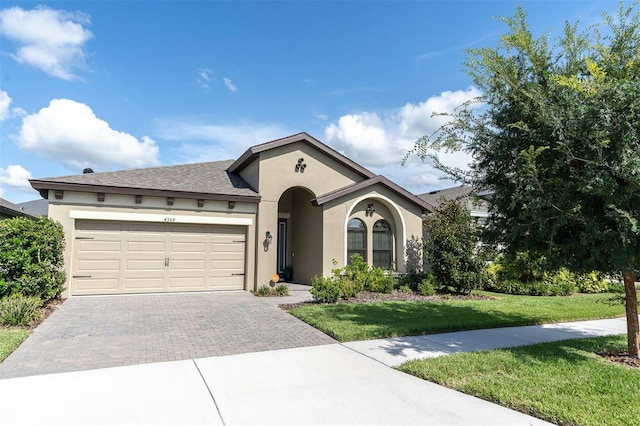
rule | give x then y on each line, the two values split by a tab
561	382
362	321
10	339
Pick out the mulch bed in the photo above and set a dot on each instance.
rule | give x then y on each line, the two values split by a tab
620	357
369	296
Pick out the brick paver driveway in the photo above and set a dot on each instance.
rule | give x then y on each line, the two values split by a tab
110	331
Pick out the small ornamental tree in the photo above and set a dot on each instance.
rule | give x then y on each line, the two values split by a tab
451	247
556	139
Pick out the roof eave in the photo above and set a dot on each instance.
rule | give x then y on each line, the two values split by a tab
44	186
322	199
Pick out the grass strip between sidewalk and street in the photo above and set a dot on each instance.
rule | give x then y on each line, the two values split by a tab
363	321
9	340
561	382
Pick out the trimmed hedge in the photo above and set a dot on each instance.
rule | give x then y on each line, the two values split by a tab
32	258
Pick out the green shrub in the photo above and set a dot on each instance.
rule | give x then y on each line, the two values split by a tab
412	279
425	288
349	287
405	289
380	281
19	310
32	258
493	273
263	290
325	290
452	248
592	282
266	291
282	290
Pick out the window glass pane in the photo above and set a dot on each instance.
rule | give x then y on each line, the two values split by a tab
356	239
382	244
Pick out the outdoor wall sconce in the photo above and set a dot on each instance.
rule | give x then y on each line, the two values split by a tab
58	194
231	205
200	203
267	241
300	166
100	196
169	201
138	199
370	210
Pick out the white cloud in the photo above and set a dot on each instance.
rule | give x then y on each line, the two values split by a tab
375	141
69	132
230	85
363	137
205	76
48	39
381	142
207	142
15	177
5	101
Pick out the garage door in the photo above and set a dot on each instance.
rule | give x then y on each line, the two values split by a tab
138	257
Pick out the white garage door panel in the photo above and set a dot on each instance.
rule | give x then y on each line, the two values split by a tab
137	257
96	286
144	284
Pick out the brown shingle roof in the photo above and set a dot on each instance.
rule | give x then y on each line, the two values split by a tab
10	209
464	194
207	180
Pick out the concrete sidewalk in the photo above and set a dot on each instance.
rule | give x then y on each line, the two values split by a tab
320	385
395	351
348	383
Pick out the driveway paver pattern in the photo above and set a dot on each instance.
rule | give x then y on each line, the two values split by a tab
89	332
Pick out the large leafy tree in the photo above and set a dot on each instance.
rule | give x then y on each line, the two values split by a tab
555	138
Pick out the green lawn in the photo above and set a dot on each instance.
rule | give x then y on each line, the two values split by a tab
362	321
10	340
561	382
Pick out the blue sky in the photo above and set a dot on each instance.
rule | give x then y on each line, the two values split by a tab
114	85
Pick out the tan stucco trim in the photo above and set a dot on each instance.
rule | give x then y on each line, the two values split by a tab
394	210
161	218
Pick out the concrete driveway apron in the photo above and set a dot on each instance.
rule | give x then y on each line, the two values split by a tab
111	331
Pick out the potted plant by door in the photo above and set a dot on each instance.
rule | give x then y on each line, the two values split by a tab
288	273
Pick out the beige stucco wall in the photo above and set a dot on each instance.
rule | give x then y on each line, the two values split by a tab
60	210
404	217
277	174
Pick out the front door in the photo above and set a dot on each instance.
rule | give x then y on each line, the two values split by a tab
282	246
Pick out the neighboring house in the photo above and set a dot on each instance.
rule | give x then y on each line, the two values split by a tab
9	210
478	208
226	225
36	207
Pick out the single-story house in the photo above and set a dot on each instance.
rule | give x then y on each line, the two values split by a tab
9	210
292	203
467	196
39	208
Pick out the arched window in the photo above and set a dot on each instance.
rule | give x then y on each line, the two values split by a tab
356	239
382	244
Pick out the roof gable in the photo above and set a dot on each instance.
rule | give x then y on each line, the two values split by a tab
253	152
347	190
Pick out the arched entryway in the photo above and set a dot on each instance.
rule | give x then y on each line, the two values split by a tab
299	237
375	230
